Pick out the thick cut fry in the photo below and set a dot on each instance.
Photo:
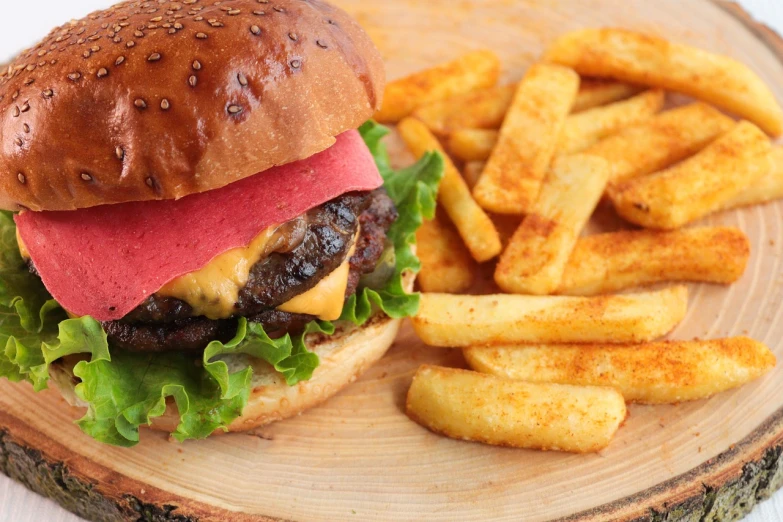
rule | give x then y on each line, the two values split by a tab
660	142
486	108
481	109
634	57
594	93
586	128
471	221
513	175
607	263
471	71
768	188
468	320
653	373
536	256
472	172
473	144
446	265
699	185
472	406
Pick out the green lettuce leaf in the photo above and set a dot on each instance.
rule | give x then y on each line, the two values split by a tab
124	391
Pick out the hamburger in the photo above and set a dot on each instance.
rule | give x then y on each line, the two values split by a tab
202	232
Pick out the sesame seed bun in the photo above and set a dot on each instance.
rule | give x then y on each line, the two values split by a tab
150	100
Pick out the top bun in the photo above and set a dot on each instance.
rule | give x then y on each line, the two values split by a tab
158	99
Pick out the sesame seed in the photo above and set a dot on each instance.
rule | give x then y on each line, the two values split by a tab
279	9
152	26
199	18
166	25
102	72
120	153
86	177
197	65
21	178
150	182
86	54
234	12
139	103
130	44
138	34
296	64
293	36
193	81
178	26
165	105
26	128
225	8
321	44
119	60
156	19
94	37
18	142
48	93
154	57
74	76
234	109
26	107
263	1
95	48
172	31
242	79
201	36
255	30
15	95
259	13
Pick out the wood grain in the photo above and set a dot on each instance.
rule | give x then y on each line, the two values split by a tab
358	456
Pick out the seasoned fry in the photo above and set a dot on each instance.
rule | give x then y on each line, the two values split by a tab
446	265
471	221
653	373
472	172
472	406
665	139
536	256
606	263
588	127
699	185
766	189
594	93
634	57
486	108
481	109
471	71
473	144
580	131
512	178
468	320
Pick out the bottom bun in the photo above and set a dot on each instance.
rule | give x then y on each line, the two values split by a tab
343	357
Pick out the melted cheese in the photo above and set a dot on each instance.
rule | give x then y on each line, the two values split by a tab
22	249
213	290
325	300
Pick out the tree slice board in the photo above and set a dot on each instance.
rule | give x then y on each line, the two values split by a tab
358	457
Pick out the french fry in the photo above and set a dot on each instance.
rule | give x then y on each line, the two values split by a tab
594	93
607	263
588	127
663	140
470	320
471	71
766	189
699	185
486	108
467	405
480	109
512	178
648	60
473	144
535	258
472	172
446	265
473	224
653	373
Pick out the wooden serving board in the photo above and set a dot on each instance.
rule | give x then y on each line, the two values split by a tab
358	457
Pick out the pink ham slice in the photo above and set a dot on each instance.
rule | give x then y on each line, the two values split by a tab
104	261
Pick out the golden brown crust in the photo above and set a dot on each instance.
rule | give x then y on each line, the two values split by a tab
157	101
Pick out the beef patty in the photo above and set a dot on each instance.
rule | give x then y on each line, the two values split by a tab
324	236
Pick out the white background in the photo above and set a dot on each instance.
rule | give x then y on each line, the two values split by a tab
17	504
